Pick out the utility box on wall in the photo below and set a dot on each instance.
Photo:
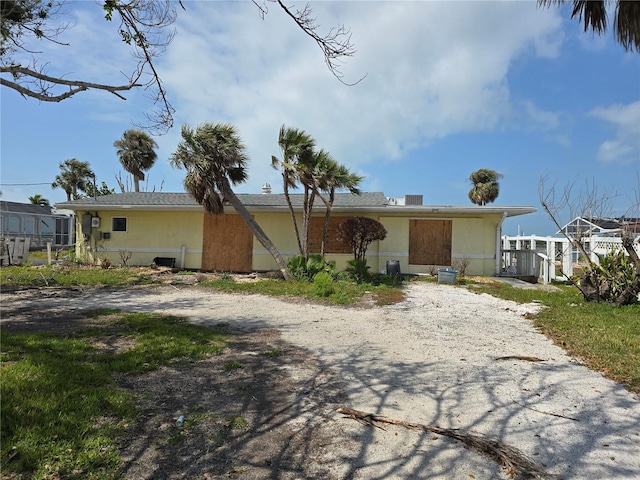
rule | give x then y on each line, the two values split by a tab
95	222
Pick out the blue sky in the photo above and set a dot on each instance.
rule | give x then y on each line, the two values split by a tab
450	87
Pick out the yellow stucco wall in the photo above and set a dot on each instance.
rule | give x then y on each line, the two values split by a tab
149	234
279	228
473	240
163	233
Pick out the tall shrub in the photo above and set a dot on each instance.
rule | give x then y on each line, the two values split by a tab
359	233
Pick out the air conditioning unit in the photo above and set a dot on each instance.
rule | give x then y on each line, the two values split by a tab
413	199
95	222
393	201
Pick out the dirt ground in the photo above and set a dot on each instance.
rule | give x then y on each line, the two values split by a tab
444	356
265	419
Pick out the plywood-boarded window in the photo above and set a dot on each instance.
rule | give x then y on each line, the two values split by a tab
430	242
333	245
227	244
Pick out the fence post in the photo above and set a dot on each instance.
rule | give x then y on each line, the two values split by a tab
567	257
592	253
551	258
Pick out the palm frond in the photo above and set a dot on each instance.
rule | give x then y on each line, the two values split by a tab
627	25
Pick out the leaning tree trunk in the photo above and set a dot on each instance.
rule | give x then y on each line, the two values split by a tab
307	208
285	189
257	231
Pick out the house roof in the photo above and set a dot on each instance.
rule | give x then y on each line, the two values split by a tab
24	208
162	199
366	201
602	224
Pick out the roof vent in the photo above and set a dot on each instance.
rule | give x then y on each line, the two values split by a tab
413	199
266	188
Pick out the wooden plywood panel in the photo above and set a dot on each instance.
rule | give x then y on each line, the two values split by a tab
227	244
315	235
430	242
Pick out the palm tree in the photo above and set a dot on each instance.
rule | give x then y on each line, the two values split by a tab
137	155
485	186
626	18
74	176
297	148
335	177
38	199
214	157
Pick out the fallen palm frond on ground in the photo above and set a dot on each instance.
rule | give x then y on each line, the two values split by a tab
524	358
517	464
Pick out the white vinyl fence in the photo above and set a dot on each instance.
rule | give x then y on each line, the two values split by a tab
14	250
551	258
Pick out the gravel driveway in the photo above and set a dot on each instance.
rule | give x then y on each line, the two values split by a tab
433	359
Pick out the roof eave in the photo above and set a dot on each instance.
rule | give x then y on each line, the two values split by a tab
417	209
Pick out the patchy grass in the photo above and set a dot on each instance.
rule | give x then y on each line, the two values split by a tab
605	337
61	413
236	422
275	353
344	292
232	365
68	276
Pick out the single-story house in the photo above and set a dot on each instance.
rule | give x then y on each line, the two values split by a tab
41	224
421	238
581	227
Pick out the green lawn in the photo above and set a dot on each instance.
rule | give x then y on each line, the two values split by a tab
62	415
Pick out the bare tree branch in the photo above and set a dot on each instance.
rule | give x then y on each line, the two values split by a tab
607	279
335	45
43	93
146	28
143	25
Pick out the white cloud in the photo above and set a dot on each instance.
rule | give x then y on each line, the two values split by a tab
552	124
625	146
432	69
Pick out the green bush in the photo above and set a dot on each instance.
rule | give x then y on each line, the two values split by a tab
302	269
323	285
617	270
358	270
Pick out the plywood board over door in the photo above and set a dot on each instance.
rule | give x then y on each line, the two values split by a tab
227	244
430	242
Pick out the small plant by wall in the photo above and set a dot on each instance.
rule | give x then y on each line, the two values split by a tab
461	265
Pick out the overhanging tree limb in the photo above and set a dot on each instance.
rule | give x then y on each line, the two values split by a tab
335	45
144	25
77	86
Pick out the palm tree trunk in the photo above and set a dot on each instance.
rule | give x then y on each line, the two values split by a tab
257	230
307	208
327	216
293	214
